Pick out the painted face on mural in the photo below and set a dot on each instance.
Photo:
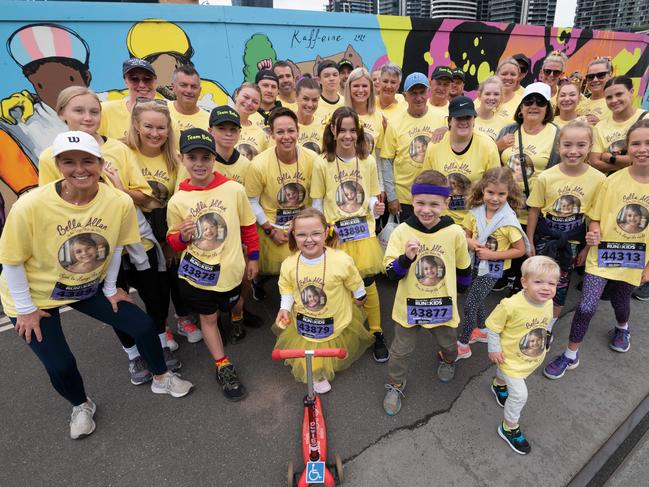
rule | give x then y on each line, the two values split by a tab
51	78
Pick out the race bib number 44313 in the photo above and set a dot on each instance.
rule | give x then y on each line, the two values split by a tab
619	254
430	311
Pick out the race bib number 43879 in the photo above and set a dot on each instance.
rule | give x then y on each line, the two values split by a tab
620	254
430	311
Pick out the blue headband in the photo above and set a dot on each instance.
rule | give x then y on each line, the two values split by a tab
430	189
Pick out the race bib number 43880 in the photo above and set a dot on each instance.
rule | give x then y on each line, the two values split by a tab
430	311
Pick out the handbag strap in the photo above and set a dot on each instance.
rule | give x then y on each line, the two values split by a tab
521	155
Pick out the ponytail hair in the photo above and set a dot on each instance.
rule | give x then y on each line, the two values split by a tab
333	124
331	238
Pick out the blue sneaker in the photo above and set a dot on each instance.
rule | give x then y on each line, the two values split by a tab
515	439
500	392
620	340
557	368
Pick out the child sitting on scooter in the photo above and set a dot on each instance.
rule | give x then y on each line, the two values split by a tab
319	286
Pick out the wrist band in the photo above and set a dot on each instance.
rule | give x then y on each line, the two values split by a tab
180	237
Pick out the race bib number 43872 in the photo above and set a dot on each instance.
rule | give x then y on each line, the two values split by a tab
430	311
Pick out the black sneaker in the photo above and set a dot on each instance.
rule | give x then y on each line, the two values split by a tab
232	387
258	293
501	284
235	331
251	320
381	352
515	440
173	364
642	292
500	392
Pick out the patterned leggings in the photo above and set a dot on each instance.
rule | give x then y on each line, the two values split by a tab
591	292
475	312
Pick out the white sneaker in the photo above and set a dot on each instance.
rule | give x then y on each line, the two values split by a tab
81	422
322	387
188	329
171	343
171	384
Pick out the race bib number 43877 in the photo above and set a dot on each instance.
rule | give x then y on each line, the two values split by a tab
430	311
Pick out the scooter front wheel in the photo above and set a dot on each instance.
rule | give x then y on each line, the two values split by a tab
290	476
339	468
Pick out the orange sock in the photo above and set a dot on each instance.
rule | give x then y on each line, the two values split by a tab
236	316
222	362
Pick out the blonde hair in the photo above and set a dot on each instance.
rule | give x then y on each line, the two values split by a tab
577	124
492	80
509	60
357	74
556	56
132	138
72	92
331	239
540	265
602	60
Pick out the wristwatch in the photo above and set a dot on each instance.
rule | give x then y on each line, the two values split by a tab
268	231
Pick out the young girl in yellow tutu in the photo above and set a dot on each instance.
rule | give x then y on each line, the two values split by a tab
320	287
345	186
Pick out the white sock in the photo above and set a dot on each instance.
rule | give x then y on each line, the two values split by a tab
572	355
624	326
551	324
132	352
163	339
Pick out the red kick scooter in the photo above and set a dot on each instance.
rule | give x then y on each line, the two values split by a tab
314	433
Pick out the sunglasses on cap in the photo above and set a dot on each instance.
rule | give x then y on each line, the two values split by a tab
600	76
552	72
537	100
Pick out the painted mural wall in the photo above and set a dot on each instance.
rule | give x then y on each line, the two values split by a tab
52	45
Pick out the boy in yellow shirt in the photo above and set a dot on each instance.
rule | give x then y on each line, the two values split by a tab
517	332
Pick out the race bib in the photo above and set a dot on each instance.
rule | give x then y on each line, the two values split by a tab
310	327
78	291
618	254
353	229
284	217
564	224
198	271
458	202
496	268
431	311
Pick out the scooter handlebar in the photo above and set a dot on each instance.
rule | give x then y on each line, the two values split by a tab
322	352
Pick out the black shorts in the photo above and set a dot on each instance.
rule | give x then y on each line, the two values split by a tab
206	302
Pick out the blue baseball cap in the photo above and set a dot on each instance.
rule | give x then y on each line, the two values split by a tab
415	79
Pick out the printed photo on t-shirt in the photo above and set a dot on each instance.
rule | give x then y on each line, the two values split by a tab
618	147
491	243
291	195
567	205
632	218
160	191
211	231
312	146
313	298
418	148
460	186
430	270
83	253
350	196
247	150
370	142
533	344
514	164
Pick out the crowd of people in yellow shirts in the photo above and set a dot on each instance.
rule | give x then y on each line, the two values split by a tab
328	183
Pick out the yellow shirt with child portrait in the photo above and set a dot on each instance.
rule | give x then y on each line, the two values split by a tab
252	141
373	127
522	328
310	136
610	136
501	240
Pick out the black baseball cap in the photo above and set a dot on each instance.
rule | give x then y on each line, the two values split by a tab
461	106
223	114
327	63
196	138
266	74
458	73
522	58
344	62
137	63
442	72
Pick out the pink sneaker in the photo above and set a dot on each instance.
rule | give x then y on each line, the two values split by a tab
478	335
463	351
171	343
188	329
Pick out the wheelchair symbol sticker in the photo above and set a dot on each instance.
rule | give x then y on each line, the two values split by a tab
315	472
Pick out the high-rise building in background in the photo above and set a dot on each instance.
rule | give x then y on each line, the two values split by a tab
389	7
537	12
252	3
612	14
541	12
352	6
455	9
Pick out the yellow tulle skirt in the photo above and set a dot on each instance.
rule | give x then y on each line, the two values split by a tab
355	339
367	255
271	255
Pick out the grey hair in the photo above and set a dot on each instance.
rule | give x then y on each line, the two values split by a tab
392	69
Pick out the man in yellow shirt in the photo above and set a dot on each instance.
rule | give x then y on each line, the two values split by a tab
440	87
184	110
286	81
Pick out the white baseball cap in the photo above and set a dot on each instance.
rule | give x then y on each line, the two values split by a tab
540	88
75	140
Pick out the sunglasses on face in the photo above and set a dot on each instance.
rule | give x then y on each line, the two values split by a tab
601	75
539	101
137	79
552	72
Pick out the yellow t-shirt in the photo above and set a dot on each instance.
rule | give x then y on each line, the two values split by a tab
622	210
522	328
405	143
507	109
65	248
219	214
427	295
559	122
283	189
501	240
290	106
322	293
588	106
258	120
180	122
115	119
116	156
462	169
491	127
610	136
394	111
252	141
373	127
346	189
441	111
563	199
157	175
325	109
310	136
